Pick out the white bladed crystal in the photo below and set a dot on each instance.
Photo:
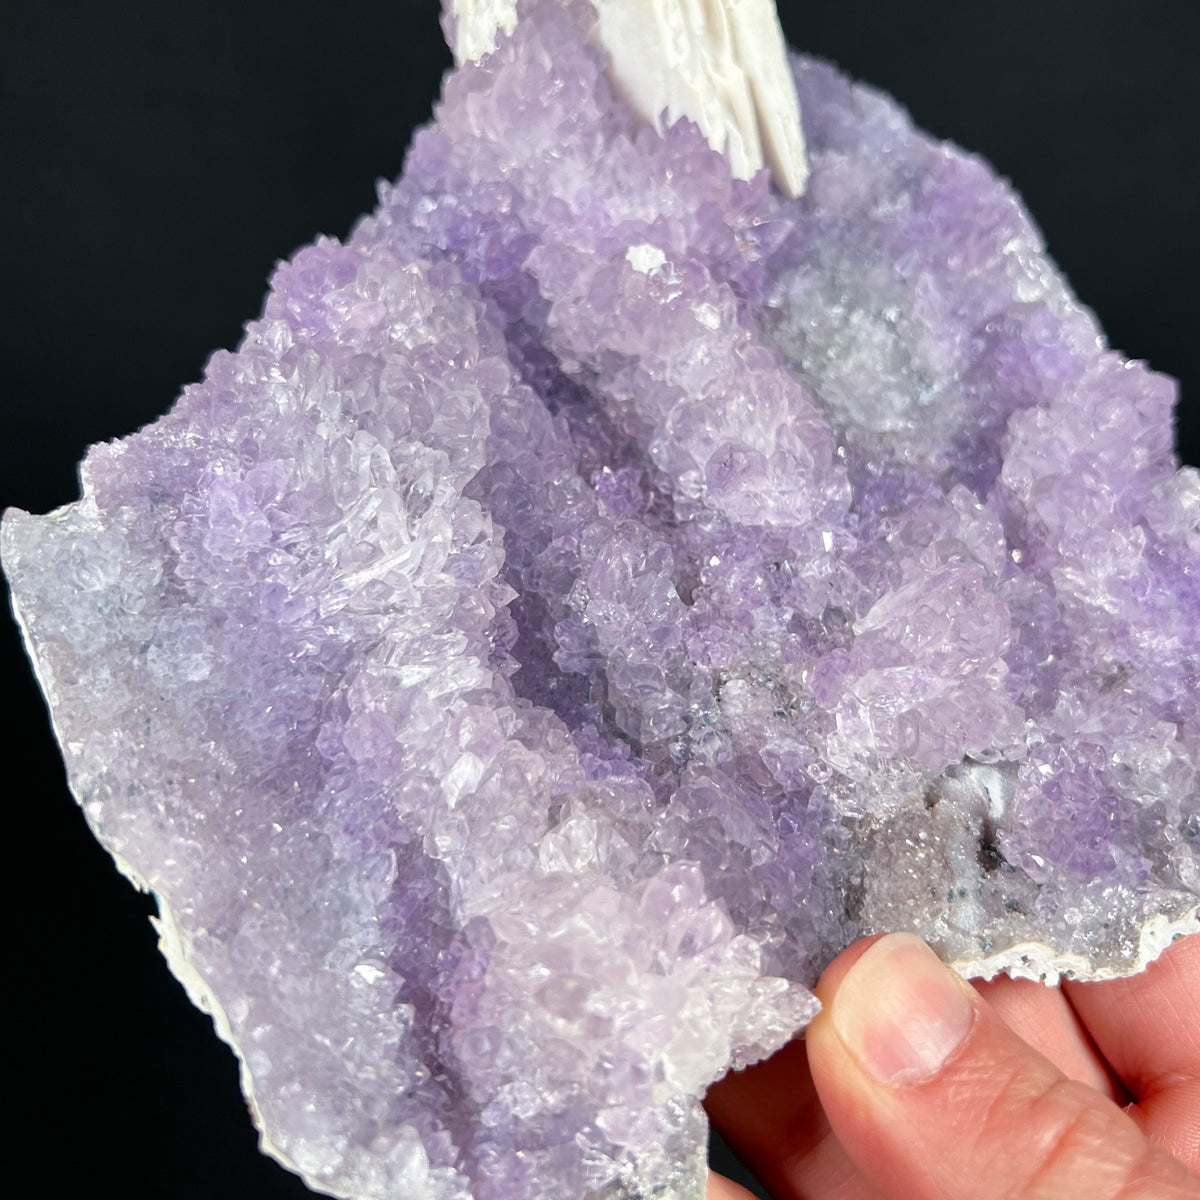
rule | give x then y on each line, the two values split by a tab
720	63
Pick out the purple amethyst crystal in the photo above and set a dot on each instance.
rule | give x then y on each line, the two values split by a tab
597	593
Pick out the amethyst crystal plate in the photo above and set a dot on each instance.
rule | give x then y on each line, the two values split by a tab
596	593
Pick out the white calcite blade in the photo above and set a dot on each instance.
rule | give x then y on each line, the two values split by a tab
720	63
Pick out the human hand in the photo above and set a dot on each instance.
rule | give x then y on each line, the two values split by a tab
911	1085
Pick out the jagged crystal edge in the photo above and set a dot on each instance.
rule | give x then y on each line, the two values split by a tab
1043	964
171	942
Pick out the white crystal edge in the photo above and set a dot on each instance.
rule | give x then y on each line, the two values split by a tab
173	948
1044	964
170	942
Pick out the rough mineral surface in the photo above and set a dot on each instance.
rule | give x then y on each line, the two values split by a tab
596	593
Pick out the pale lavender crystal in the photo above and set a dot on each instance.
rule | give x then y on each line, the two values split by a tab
600	591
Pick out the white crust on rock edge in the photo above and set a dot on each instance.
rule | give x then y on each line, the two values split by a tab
171	942
174	949
1044	964
173	946
720	63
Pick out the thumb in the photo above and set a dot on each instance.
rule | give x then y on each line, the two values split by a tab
932	1095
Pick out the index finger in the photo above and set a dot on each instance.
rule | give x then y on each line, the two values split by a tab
1148	1029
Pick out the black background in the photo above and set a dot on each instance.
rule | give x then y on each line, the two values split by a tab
159	158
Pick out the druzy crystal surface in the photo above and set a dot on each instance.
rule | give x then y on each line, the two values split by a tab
597	592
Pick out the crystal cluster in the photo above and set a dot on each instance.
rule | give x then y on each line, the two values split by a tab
596	593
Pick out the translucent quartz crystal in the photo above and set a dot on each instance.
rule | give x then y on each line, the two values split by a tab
598	592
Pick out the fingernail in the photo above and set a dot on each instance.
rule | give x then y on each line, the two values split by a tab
901	1012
